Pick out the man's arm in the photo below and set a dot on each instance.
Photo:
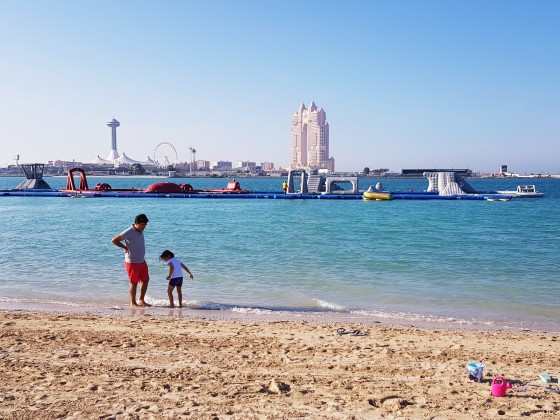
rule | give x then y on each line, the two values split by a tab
117	240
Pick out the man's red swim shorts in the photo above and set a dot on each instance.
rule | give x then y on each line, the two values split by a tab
137	272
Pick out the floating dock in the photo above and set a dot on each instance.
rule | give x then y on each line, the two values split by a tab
442	186
396	195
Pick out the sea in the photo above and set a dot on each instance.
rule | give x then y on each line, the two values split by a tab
465	263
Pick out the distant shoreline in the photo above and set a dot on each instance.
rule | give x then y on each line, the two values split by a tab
319	317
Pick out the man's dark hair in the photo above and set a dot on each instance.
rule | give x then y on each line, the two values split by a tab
141	218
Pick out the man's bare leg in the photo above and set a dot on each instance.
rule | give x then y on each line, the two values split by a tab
143	290
133	294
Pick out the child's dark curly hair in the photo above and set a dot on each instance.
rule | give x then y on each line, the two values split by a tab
166	254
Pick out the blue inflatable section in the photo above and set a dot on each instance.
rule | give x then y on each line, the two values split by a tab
255	195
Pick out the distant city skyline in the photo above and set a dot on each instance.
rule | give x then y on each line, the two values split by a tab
434	84
114	157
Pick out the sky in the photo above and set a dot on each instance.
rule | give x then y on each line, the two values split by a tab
404	84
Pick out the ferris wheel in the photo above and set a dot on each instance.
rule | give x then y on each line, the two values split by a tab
165	155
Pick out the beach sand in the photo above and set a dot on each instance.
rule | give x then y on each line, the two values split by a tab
67	365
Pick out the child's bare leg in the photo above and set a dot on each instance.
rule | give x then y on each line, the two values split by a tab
170	294
180	296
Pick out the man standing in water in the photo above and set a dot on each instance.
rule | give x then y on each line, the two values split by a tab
134	262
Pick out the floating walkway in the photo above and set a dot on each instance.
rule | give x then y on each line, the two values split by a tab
396	195
442	186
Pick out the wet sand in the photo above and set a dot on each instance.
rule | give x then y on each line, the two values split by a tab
80	365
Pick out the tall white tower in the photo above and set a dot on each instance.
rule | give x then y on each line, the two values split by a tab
113	154
310	139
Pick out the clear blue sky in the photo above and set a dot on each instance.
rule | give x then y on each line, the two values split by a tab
405	84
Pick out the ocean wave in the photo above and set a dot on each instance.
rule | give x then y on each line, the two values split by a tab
317	308
409	317
40	302
329	305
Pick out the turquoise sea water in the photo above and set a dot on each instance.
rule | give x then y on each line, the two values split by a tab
479	262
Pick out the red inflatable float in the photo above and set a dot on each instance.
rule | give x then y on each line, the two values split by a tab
164	188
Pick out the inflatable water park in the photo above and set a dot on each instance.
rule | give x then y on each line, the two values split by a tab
301	184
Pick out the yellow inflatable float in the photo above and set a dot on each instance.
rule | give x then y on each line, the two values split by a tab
370	195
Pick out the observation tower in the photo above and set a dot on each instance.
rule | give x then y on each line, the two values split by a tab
113	154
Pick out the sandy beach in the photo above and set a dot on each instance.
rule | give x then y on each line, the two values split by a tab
67	365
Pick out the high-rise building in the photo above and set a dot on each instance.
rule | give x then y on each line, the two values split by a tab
310	139
220	165
267	166
246	165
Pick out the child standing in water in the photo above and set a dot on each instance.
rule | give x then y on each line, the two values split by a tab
175	276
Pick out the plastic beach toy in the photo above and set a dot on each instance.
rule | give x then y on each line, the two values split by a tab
475	371
499	386
545	377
